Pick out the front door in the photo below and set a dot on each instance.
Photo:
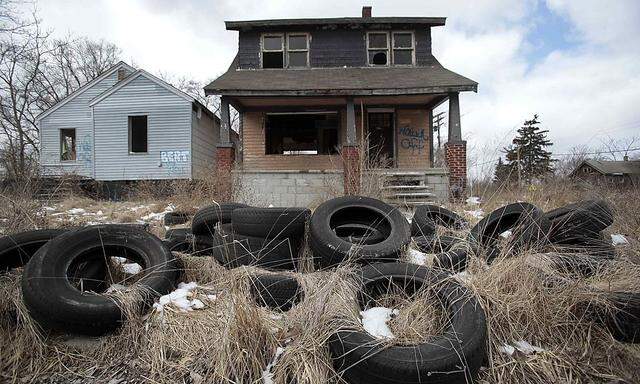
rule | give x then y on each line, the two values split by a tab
380	133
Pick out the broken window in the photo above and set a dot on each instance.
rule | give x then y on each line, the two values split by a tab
403	48
137	134
297	50
378	48
67	144
272	51
301	133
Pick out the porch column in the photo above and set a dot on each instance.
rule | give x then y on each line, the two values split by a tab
225	152
456	151
350	153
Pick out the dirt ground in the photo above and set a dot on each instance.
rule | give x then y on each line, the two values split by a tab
536	335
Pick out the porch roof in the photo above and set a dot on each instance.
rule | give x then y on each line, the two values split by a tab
356	81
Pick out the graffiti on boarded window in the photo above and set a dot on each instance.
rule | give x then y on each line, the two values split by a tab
412	139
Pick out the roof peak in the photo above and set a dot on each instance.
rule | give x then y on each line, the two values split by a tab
343	21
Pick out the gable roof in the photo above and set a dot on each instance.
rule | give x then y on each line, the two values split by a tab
85	87
381	22
631	167
354	81
135	75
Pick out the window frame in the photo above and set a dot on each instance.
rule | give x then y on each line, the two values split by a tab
308	40
412	48
281	50
74	142
378	49
129	121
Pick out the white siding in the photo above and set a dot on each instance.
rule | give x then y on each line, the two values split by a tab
169	129
74	114
206	132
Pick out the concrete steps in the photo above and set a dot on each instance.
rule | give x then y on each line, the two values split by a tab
406	188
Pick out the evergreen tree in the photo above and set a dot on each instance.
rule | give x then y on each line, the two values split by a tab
529	153
503	172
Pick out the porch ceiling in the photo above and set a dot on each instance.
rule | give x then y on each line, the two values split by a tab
255	102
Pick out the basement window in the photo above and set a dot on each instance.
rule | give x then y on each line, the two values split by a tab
273	51
378	48
301	133
138	134
68	144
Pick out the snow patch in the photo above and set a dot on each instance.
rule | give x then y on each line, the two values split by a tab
521	346
267	376
619	240
473	200
76	211
374	321
506	234
159	215
180	298
417	257
463	276
477	213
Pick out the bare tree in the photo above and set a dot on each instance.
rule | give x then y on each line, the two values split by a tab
618	149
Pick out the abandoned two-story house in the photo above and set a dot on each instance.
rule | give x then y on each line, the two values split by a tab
316	95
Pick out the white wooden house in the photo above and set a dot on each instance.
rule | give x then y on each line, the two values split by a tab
128	125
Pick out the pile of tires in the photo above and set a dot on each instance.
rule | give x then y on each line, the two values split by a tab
66	274
356	228
269	238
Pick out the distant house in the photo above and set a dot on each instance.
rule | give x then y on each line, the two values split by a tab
626	172
317	95
128	125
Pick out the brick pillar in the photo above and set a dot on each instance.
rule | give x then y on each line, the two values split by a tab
225	159
351	168
455	153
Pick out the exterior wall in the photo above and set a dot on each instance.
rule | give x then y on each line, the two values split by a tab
204	137
75	114
330	48
287	189
169	129
412	139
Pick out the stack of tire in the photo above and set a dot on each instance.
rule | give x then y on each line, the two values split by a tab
269	238
66	273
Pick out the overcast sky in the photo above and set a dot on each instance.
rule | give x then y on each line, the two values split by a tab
574	62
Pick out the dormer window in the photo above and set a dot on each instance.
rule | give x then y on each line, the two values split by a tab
378	48
396	48
403	48
289	50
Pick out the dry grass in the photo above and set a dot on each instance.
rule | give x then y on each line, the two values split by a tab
232	340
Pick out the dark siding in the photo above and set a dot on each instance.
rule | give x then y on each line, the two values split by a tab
249	50
338	48
330	48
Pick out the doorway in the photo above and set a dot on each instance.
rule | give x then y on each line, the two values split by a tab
380	127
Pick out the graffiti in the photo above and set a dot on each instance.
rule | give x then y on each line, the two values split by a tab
176	163
85	150
412	140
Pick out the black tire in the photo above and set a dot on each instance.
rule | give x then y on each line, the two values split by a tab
178	233
436	244
329	249
624	321
599	246
17	249
179	240
205	220
453	357
271	223
359	233
454	260
279	292
55	304
428	216
528	223
176	217
233	250
578	220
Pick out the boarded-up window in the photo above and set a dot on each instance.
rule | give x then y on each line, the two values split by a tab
138	134
68	144
301	134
